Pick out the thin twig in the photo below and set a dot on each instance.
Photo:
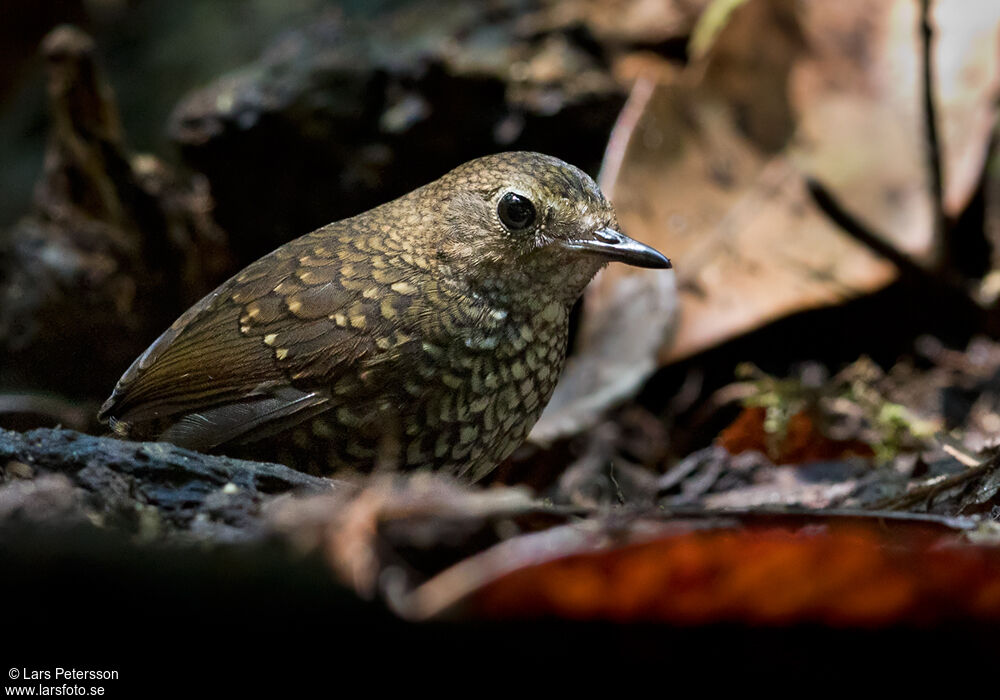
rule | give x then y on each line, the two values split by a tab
863	233
621	135
930	488
959	451
943	280
614	482
933	138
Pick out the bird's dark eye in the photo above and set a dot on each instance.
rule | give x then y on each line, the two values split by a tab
516	212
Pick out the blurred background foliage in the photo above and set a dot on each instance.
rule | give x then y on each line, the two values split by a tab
154	51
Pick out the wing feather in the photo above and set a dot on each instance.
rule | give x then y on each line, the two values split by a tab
243	421
254	355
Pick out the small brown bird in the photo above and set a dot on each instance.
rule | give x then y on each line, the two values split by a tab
427	332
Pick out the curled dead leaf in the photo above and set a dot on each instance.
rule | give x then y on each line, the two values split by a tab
845	576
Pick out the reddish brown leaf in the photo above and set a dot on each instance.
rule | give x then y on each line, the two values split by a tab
802	440
848	576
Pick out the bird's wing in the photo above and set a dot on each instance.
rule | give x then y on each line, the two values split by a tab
266	350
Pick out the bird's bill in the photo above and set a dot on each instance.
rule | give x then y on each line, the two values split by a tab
618	247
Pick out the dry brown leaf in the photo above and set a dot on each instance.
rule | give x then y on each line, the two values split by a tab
747	242
839	573
711	166
967	91
857	98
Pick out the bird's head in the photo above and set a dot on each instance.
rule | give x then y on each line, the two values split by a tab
527	224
